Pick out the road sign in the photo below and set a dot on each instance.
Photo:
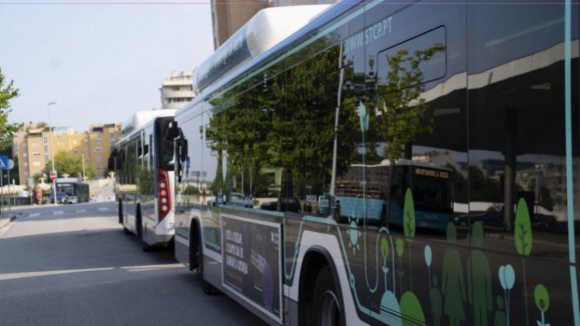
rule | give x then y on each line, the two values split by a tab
3	163
52	175
10	164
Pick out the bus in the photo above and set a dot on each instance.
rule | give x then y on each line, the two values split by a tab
481	97
366	199
74	187
143	163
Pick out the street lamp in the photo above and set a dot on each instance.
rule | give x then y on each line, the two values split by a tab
52	152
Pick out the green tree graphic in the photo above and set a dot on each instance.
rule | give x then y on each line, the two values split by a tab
542	302
409	227
523	241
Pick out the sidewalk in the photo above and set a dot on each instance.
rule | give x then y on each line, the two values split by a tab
7	217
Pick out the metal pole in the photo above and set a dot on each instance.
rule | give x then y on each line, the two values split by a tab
83	166
52	152
8	183
2	189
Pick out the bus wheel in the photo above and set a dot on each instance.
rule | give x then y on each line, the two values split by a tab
120	210
326	303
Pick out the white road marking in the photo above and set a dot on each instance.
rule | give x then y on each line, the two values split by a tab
34	215
103	209
57	212
81	211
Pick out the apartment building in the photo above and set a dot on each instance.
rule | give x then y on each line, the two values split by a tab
176	91
35	147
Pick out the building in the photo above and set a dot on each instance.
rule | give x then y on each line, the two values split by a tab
228	16
35	146
176	91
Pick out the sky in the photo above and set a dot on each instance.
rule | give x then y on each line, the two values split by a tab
99	61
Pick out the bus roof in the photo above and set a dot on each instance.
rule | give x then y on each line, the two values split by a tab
141	118
267	28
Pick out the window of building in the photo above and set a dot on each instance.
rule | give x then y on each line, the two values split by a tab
86	140
62	142
98	149
36	163
24	154
24	145
25	164
35	144
35	153
98	140
99	158
74	141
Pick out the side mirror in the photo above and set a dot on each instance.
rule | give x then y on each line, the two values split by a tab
182	149
172	131
112	163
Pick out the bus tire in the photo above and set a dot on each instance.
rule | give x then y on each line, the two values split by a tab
327	307
120	210
194	248
139	226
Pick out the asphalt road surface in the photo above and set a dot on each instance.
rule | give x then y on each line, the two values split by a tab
72	265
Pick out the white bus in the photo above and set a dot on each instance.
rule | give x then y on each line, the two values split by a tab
481	97
143	165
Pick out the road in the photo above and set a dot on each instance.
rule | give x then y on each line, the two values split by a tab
72	265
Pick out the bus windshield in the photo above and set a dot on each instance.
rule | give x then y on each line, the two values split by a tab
431	194
164	144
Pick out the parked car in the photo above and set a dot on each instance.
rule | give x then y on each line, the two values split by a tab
543	222
237	199
70	199
487	218
60	198
286	205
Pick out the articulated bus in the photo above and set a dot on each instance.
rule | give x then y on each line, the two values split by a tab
143	165
480	104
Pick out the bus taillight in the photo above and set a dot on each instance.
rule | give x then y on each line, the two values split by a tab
163	194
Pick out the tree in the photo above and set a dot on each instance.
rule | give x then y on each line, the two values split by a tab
7	130
400	102
73	166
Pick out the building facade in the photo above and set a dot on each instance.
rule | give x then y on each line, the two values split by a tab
36	146
176	91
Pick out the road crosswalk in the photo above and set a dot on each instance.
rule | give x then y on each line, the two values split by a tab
61	212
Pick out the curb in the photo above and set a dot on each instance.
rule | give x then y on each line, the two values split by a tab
4	221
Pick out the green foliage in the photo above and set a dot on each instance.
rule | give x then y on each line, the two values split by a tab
71	165
7	130
285	121
481	187
400	104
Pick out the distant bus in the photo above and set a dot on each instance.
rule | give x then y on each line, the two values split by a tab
74	187
430	186
142	160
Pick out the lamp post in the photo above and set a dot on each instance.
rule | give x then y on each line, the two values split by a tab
52	152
